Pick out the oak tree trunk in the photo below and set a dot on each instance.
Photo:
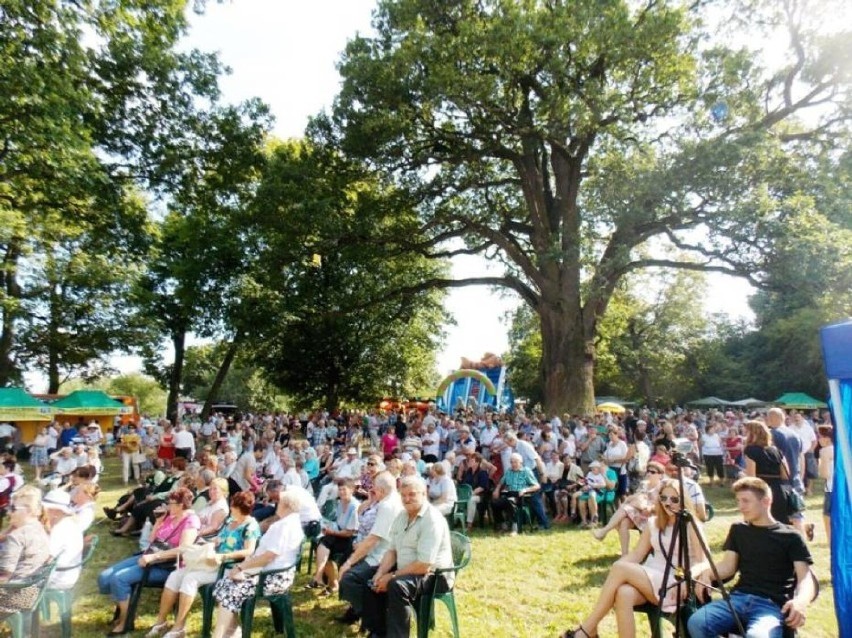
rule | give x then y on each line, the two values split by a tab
179	343
221	374
568	361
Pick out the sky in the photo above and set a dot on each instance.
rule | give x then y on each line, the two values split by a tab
285	52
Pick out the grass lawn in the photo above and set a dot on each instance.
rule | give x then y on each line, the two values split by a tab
532	585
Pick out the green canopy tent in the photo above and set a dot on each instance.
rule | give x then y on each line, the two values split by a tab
18	407
798	401
88	405
709	402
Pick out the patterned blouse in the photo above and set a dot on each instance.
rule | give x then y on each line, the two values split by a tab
231	540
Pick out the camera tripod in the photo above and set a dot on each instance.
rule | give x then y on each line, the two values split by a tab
681	564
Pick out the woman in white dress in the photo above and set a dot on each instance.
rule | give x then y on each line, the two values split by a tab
633	582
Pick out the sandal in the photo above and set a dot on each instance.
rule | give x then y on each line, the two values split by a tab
314	585
573	634
157	629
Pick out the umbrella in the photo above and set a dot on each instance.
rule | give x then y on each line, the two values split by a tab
610	407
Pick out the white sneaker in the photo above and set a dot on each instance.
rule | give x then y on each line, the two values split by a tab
514	531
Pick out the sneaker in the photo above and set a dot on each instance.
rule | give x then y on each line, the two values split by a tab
514	531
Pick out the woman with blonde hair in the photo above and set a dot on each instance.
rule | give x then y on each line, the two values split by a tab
637	578
765	461
25	549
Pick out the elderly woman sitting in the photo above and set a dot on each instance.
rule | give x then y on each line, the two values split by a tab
176	525
215	508
441	489
278	548
25	549
337	537
235	541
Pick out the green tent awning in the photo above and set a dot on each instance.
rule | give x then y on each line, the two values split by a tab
799	401
90	403
17	405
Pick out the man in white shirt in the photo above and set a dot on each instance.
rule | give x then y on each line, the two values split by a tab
359	568
184	443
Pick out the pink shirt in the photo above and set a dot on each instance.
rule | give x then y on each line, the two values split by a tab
172	528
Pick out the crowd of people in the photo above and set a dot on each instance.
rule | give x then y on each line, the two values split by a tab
375	489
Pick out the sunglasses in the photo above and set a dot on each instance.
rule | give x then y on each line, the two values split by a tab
674	500
372	463
653	472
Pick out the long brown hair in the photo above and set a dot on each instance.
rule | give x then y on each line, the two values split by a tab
757	433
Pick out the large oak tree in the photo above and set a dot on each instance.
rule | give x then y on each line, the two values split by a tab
577	142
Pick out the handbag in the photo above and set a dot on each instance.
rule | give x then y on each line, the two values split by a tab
795	502
198	557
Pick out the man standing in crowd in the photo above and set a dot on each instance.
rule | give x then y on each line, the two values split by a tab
791	447
419	544
775	585
359	568
184	443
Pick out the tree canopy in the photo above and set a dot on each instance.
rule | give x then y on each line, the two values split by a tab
578	142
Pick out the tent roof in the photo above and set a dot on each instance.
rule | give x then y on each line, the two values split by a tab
799	400
751	402
18	398
16	405
709	402
89	402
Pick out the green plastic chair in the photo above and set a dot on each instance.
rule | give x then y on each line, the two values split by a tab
64	598
464	493
426	607
205	592
280	604
21	622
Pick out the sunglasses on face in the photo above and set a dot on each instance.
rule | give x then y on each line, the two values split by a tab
674	500
653	472
371	463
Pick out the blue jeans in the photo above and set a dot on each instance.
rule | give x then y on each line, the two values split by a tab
761	618
117	580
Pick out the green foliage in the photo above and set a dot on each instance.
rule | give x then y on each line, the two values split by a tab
245	385
524	357
99	104
337	315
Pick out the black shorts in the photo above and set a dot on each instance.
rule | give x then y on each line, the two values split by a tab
714	466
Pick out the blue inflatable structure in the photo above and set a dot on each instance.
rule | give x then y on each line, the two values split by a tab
476	389
837	355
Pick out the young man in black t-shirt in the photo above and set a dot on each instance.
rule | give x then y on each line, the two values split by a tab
774	588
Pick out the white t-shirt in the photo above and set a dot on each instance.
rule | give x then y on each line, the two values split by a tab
66	541
431	443
711	445
244	463
308	509
284	539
